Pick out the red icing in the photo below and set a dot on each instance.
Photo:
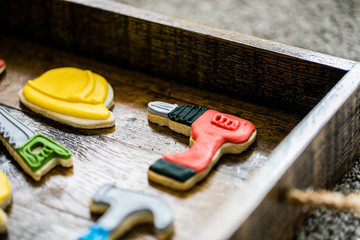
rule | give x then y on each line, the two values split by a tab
222	121
2	63
210	131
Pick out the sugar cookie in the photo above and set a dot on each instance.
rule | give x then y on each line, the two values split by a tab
2	66
35	153
72	96
5	200
212	134
125	209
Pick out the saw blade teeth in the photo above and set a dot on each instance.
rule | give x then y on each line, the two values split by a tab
6	134
8	138
2	132
12	142
14	131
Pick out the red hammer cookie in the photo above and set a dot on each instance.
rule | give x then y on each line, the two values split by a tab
212	134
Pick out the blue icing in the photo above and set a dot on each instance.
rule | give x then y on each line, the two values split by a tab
96	232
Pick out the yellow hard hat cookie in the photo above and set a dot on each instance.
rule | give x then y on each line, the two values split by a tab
79	98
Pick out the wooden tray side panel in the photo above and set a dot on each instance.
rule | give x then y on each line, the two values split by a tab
321	164
237	65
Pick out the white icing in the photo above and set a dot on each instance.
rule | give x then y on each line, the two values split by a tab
161	108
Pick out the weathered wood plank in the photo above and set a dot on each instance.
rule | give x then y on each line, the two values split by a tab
227	62
118	154
41	221
317	153
253	79
132	92
99	160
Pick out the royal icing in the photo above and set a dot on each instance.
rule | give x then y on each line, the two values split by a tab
161	108
49	150
210	131
13	131
70	91
123	205
186	114
5	199
32	151
5	191
172	170
2	65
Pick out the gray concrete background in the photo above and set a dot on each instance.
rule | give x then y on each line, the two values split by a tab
327	26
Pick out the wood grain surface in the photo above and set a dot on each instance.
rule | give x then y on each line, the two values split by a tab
227	62
272	85
323	146
57	206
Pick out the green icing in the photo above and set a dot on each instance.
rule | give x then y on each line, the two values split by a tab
172	170
50	149
186	114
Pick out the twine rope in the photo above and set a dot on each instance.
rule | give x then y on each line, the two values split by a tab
324	198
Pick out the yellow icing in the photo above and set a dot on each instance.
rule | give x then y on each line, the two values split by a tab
4	187
70	91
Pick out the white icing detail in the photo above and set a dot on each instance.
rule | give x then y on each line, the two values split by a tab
125	203
161	108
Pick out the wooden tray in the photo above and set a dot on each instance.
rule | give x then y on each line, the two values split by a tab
304	104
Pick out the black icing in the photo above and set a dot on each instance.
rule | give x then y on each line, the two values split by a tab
172	170
186	114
